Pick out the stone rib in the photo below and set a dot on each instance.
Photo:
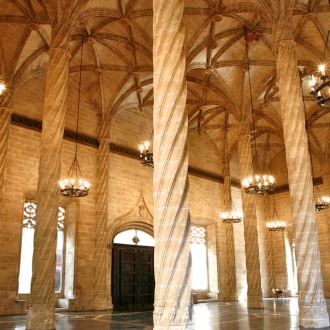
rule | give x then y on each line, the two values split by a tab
312	305
171	222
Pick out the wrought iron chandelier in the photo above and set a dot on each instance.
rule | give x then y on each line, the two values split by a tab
322	203
275	225
231	217
257	183
146	155
318	84
74	184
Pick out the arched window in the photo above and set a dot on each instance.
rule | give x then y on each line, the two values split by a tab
198	259
27	247
134	237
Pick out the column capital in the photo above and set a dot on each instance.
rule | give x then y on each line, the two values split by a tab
52	51
285	43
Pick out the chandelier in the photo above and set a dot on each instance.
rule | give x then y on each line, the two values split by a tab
322	203
318	84
146	155
74	184
231	217
275	225
258	183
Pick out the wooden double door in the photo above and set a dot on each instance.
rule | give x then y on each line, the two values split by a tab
133	281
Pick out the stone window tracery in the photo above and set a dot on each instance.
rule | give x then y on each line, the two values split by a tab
27	247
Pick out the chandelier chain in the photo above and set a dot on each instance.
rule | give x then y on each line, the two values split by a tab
251	99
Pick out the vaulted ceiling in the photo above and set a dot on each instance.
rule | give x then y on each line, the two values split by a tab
118	66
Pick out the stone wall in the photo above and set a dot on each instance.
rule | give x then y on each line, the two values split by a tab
130	188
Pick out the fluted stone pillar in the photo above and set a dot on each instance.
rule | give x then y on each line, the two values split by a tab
254	294
41	313
312	305
102	295
172	306
5	115
269	244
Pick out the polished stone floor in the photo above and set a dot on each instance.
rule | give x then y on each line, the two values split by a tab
279	314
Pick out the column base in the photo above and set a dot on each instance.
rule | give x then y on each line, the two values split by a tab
41	319
170	318
313	317
101	304
255	302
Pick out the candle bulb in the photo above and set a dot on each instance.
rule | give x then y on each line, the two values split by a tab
322	69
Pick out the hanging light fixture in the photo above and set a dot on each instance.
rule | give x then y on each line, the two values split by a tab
318	84
233	216
146	155
275	225
74	184
322	202
2	88
258	183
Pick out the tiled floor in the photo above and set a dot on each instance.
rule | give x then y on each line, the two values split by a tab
278	314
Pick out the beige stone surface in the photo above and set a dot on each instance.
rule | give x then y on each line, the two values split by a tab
118	86
254	293
172	306
312	306
41	306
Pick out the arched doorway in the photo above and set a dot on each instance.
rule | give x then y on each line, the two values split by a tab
133	280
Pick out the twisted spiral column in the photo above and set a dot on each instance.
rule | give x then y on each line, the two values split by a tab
5	115
324	221
102	297
254	294
172	306
269	245
41	314
312	306
230	292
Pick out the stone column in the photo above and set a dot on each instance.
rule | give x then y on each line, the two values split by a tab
312	306
276	252
229	291
41	314
171	213
5	115
254	294
269	244
102	293
323	226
